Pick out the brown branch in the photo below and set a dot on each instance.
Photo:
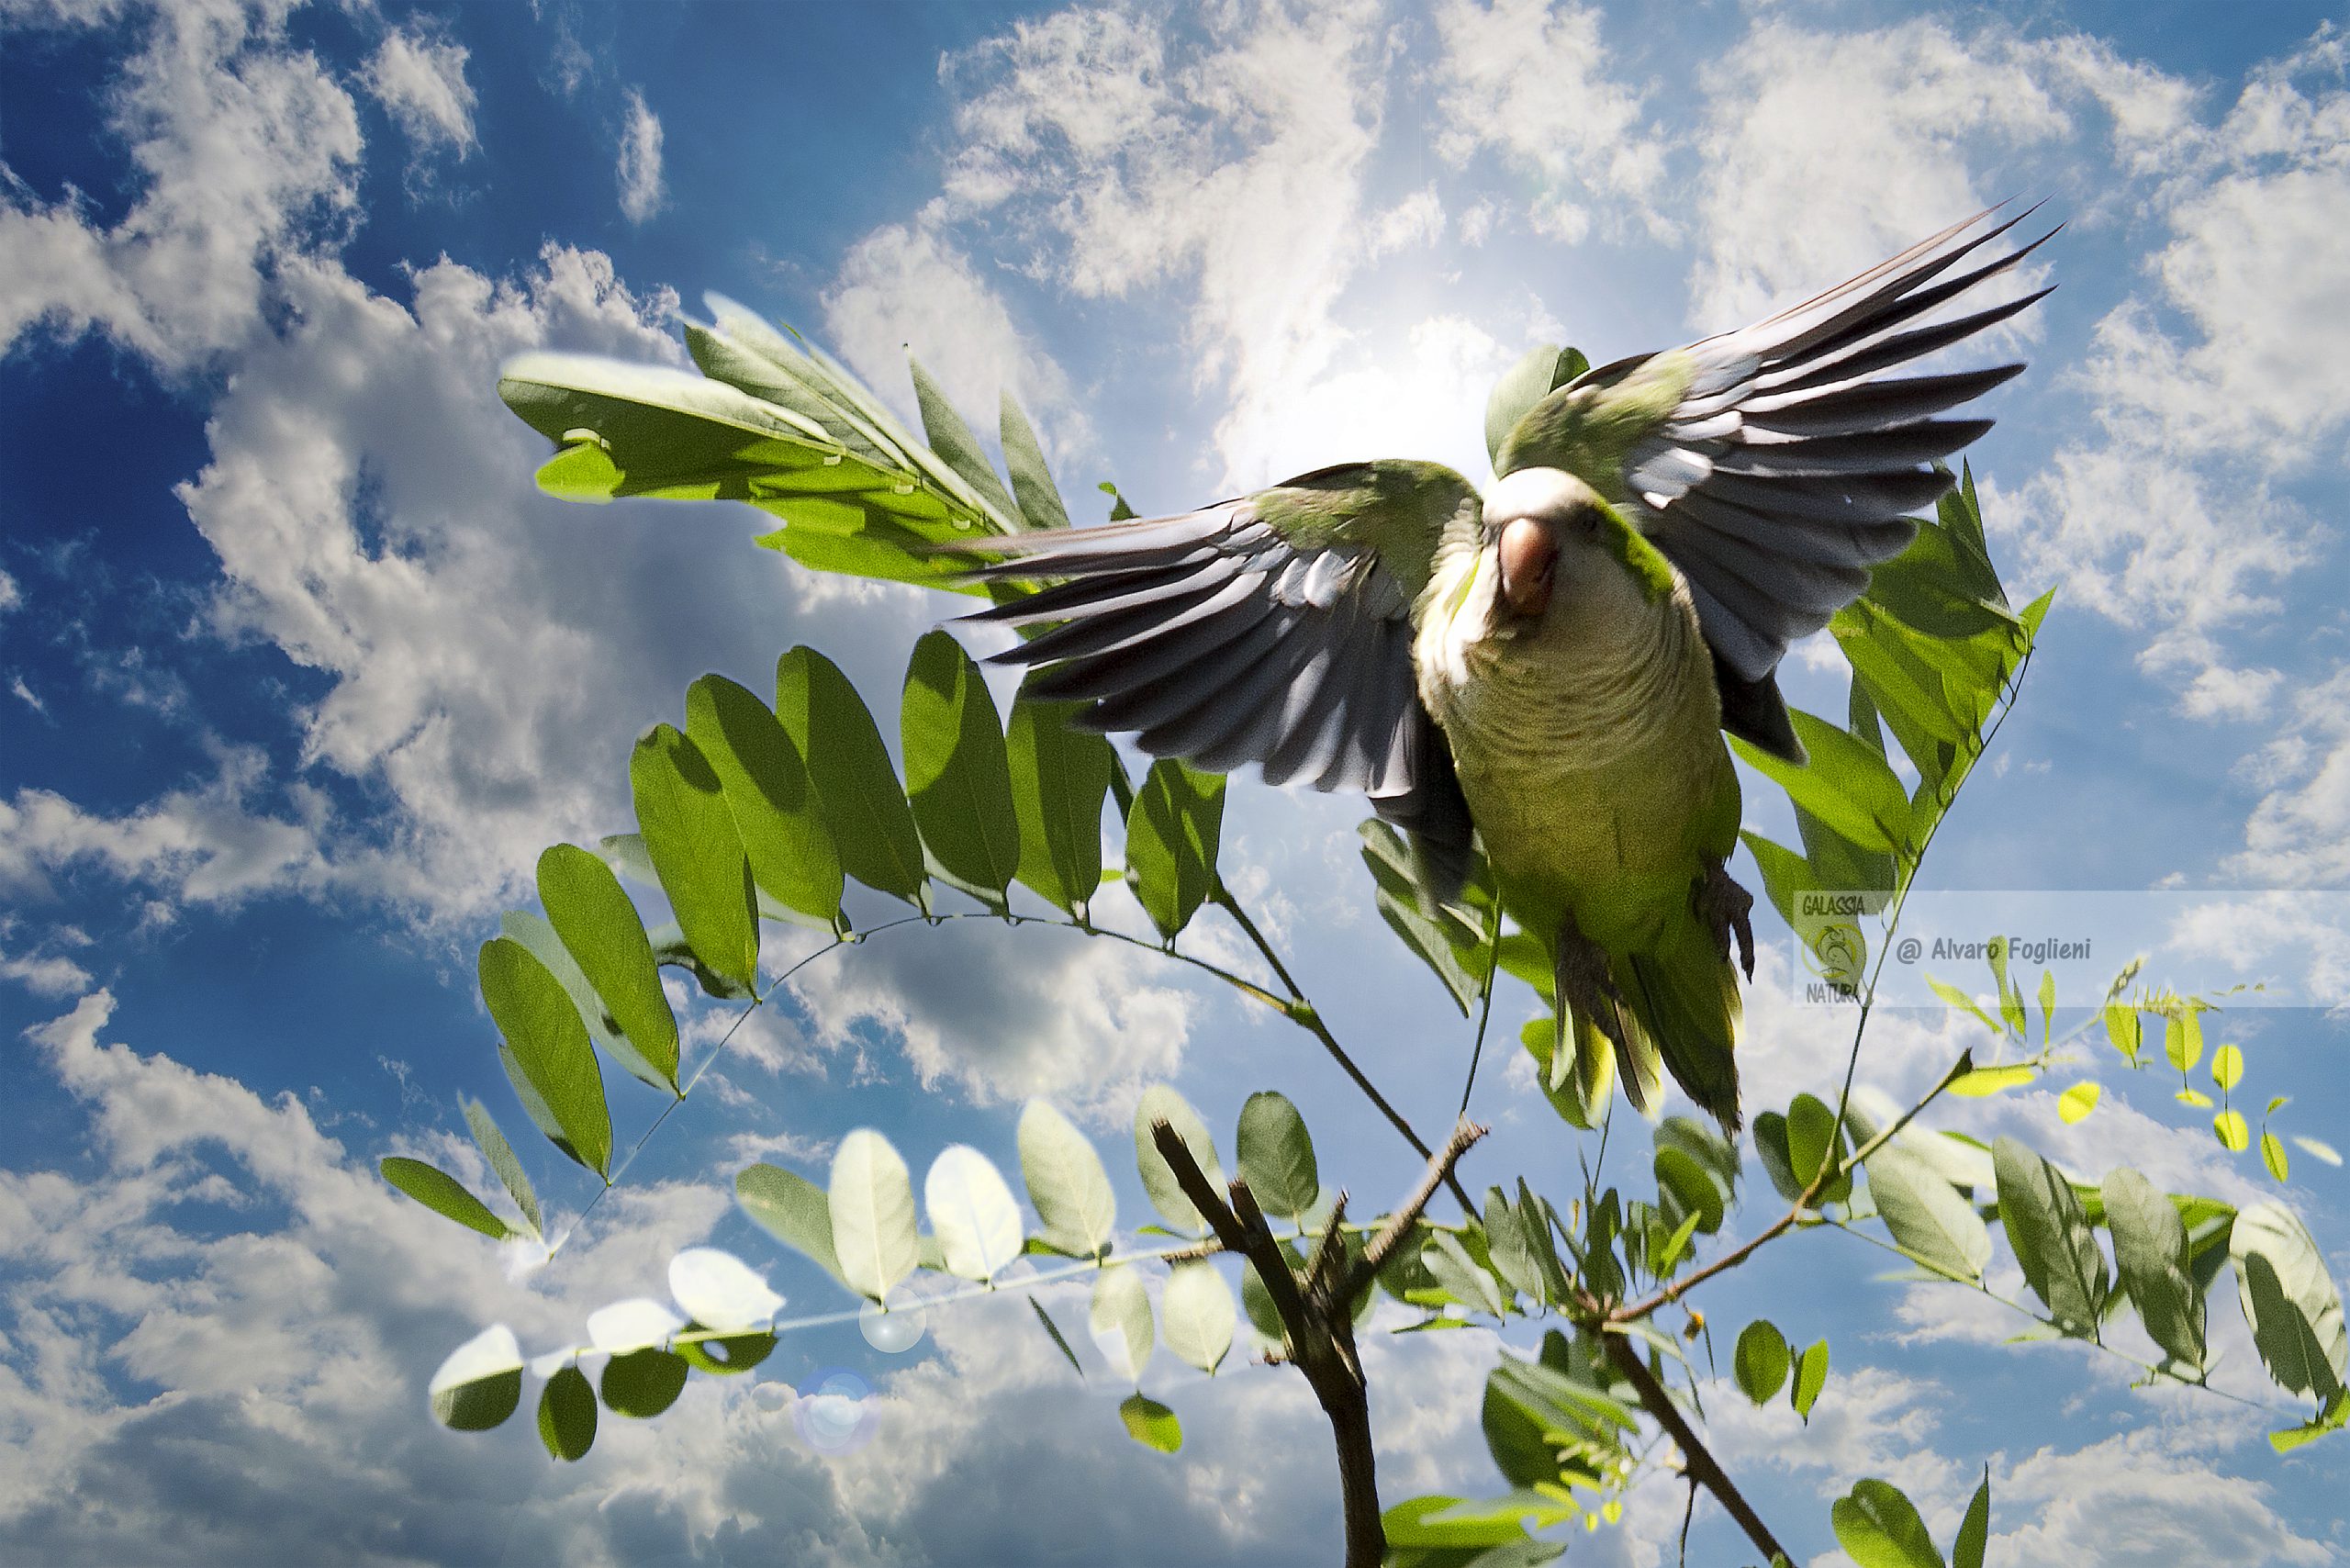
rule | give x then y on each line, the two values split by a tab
1399	1224
1321	1343
1701	1467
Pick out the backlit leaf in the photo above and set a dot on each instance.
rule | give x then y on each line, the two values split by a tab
830	727
793	1210
958	781
599	928
1173	835
763	777
1197	1315
1119	1316
1879	1528
1925	1214
2150	1253
1760	1361
2289	1301
719	1290
871	1199
2050	1232
689	833
550	1048
443	1194
2077	1101
1159	1103
2232	1131
1276	1156
971	1213
1032	479
480	1382
1065	1181
1151	1424
1810	1377
1059	775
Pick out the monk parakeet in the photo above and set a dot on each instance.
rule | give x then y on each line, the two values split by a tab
1550	665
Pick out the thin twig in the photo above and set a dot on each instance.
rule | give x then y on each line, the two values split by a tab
1485	1010
1702	1466
1399	1224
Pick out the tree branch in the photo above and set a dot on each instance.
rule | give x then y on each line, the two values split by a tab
1703	1468
1399	1224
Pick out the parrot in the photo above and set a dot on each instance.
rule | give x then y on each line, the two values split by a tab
1547	670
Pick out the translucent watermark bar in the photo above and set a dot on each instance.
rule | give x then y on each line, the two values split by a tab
2265	947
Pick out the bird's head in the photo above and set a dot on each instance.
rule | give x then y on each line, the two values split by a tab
1553	539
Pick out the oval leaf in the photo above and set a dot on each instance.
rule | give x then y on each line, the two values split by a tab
1276	1156
642	1384
2050	1232
719	1290
2150	1253
1813	1137
765	781
533	931
958	781
971	1213
1762	1362
2076	1102
1061	775
689	833
1925	1214
480	1383
567	1414
2289	1301
1811	1376
550	1046
1160	1103
1151	1424
1066	1181
1197	1314
1119	1316
1173	835
872	1203
443	1194
794	1210
599	927
1879	1528
830	726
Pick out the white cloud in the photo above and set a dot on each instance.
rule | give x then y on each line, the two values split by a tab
1534	81
639	171
1007	1014
11	596
244	149
45	974
2299	835
421	80
906	286
1416	220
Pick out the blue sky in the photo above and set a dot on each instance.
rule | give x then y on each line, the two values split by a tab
298	673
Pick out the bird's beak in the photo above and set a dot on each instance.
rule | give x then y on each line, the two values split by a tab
1529	556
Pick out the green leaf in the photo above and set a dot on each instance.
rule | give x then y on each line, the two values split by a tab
603	1031
1984	1081
1172	838
1813	1140
2121	1029
2183	1037
480	1383
1811	1376
871	1200
1066	1181
2272	1155
500	1155
567	1414
1427	939
1536	374
1785	873
689	833
1160	1103
971	1213
1964	1002
2047	1004
792	1209
1845	785
642	1384
1974	1529
443	1194
1761	1362
2291	1304
2332	1418
1511	1243
1689	1189
2317	1151
1439	1531
728	1356
2076	1102
1461	1276
857	788
1276	1156
1060	1340
1119	1316
1925	1213
1771	1148
2227	1068
1879	1528
550	1046
2233	1133
1032	479
952	439
1151	1424
535	1104
1059	775
1197	1314
600	929
2050	1232
958	779
2150	1253
763	776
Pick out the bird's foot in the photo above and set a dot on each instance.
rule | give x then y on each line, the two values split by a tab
1724	906
1581	974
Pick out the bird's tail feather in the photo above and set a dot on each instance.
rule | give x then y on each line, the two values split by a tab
1683	998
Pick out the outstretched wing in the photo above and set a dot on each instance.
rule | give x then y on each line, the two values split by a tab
1777	463
1273	629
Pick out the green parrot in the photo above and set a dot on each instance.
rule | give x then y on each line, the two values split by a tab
1547	669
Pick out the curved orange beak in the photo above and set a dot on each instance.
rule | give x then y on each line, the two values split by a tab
1528	557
